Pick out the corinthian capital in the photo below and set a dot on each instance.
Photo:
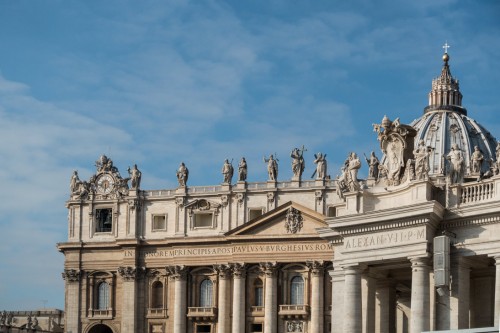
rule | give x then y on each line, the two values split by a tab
268	268
71	275
130	273
177	272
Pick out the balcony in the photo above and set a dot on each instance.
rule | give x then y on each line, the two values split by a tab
199	313
256	311
157	313
108	313
294	311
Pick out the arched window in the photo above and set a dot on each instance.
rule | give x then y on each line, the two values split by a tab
157	295
103	296
297	291
206	291
258	288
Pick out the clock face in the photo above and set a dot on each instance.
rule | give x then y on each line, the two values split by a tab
105	184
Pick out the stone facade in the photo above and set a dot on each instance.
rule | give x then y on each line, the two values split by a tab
327	255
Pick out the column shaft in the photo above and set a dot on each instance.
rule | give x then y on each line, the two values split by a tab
352	300
270	298
368	302
337	314
317	302
497	292
239	303
386	297
420	296
224	310
180	304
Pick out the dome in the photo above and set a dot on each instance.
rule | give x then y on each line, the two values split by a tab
445	123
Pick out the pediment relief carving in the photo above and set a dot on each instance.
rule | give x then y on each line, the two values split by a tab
288	219
203	205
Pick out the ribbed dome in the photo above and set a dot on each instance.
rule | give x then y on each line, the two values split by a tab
445	122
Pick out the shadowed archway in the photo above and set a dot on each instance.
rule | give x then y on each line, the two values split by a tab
101	328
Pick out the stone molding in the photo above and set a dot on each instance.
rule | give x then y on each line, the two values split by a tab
362	229
462	223
71	275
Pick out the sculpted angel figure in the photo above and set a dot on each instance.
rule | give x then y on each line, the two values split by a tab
477	160
74	182
272	167
227	172
298	164
321	166
373	163
457	165
242	170
182	175
135	177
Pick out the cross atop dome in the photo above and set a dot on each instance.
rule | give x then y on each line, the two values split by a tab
446	47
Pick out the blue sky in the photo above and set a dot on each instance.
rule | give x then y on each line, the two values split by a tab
160	82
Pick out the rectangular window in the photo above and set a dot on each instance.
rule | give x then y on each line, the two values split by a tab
254	213
159	222
256	328
332	211
203	220
203	329
104	219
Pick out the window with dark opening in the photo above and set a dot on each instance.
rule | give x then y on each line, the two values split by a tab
104	219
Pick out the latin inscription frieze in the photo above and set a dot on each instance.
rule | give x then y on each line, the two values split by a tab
382	240
232	250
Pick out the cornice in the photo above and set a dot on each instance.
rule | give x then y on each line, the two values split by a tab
469	222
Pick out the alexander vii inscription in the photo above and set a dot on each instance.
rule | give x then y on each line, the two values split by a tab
387	239
232	250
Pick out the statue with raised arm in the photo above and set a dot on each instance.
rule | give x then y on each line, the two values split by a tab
135	177
227	172
373	163
457	165
298	164
3	318
272	168
477	160
242	170
321	166
182	175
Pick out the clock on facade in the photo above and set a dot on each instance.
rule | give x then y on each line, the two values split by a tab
105	184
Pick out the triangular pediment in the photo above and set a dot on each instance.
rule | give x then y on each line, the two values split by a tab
287	220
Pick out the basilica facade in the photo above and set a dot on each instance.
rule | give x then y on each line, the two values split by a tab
415	247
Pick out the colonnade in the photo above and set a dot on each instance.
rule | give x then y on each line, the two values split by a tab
236	307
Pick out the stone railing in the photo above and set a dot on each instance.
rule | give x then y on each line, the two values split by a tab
159	193
294	311
256	310
202	313
157	312
477	192
102	313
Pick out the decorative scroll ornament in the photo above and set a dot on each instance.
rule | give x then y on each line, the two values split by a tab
316	267
224	200
223	270
295	326
71	275
240	197
294	220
